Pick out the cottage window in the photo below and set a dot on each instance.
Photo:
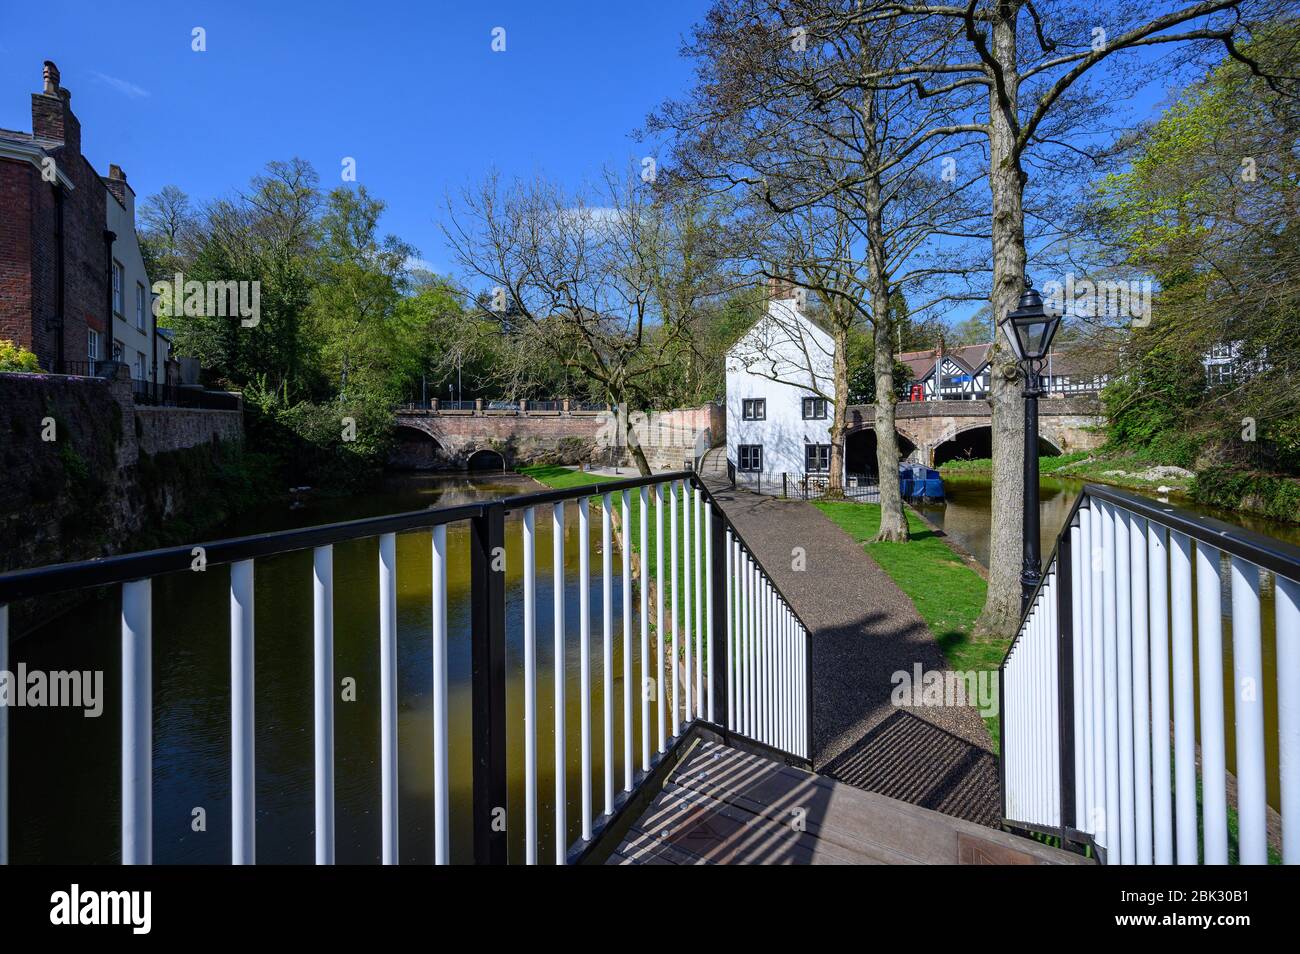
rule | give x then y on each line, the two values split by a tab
750	457
817	458
118	274
814	409
753	409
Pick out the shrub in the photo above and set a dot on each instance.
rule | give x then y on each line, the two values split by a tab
14	357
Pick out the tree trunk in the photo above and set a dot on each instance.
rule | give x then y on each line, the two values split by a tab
893	522
840	413
633	444
1001	613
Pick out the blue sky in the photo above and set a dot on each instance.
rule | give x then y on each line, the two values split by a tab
412	91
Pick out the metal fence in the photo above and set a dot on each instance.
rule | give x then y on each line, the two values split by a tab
738	661
1113	693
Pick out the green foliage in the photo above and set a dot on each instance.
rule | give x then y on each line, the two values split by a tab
14	357
1236	489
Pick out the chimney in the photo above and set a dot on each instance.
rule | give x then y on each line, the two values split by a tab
116	183
780	289
52	116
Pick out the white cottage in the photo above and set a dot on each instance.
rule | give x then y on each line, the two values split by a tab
780	380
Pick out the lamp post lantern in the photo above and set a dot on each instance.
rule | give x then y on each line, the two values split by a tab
1030	330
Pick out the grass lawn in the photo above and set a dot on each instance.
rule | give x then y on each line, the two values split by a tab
561	478
947	593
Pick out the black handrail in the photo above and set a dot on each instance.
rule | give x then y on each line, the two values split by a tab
62	577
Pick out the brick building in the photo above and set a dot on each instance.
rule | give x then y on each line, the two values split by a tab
55	249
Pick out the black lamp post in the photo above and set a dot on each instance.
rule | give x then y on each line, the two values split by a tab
1030	329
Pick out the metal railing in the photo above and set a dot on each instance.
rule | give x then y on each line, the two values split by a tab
737	665
1113	692
860	487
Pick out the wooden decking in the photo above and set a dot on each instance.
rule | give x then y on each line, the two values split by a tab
723	806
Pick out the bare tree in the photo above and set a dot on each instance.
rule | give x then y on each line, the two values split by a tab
1030	60
840	175
583	276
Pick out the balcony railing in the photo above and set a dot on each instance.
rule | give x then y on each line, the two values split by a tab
738	659
1113	693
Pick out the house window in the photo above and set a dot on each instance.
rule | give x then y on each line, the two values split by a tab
92	344
1218	375
817	458
754	409
814	409
118	274
750	457
139	307
117	350
139	366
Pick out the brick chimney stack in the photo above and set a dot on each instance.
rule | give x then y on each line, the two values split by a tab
116	183
52	116
780	289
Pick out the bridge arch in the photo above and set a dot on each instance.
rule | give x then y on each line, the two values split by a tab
976	442
414	448
485	459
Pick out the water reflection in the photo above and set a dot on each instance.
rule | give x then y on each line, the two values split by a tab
65	768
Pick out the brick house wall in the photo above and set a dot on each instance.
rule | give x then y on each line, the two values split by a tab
30	237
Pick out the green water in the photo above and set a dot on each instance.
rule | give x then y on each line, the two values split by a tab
966	515
65	768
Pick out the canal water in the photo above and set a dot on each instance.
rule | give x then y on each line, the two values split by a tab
966	515
64	767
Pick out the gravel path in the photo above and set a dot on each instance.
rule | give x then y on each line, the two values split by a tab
865	629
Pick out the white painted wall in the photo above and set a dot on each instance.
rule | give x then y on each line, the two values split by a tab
126	250
782	359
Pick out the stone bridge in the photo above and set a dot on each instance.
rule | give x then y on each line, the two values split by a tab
935	432
496	435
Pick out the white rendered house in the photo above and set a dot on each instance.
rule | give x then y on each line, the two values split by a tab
134	339
780	378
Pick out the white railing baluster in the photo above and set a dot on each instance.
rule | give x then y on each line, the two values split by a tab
4	740
1077	576
1209	642
529	534
243	815
1286	593
441	778
660	702
1184	695
584	654
388	692
1098	821
731	632
699	608
607	648
1141	689
628	728
687	631
1111	677
645	629
1162	818
137	723
709	543
559	665
1124	684
672	550
1083	677
323	699
1248	703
